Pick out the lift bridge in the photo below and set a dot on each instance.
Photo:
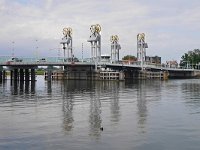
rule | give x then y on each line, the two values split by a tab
25	70
95	68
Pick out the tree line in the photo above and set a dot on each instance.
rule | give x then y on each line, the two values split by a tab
191	59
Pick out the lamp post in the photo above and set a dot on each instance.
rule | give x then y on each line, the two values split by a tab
13	48
64	48
36	48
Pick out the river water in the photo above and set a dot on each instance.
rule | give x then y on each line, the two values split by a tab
139	115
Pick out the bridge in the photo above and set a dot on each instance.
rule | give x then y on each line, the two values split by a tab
25	69
95	67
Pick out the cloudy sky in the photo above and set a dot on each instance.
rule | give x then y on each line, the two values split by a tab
33	28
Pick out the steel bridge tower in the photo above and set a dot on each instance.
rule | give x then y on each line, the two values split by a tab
67	44
141	48
95	40
115	47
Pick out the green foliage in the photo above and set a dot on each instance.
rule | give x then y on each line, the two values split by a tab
192	58
129	57
39	72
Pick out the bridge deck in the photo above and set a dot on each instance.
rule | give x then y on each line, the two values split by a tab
58	61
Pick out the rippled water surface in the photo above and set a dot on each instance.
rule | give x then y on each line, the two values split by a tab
143	115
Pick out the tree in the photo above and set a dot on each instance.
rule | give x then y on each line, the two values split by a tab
129	57
192	58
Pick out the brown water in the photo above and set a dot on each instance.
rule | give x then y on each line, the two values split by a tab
139	115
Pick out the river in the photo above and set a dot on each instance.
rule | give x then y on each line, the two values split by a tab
96	115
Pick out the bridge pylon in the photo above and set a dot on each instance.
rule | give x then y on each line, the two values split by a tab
95	40
115	47
67	44
141	48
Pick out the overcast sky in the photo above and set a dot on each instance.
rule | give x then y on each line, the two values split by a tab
172	27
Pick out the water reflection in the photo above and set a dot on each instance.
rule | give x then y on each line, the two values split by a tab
27	85
67	113
191	93
67	107
135	115
111	89
49	88
94	93
141	104
21	87
147	91
14	87
32	87
95	111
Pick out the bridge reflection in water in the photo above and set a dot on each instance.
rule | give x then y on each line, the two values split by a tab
20	88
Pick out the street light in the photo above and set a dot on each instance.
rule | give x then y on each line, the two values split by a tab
13	48
36	48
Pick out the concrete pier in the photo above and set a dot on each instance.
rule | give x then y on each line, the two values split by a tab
49	76
15	74
21	86
21	74
111	75
4	75
26	74
153	75
32	86
27	85
11	75
32	74
1	73
48	73
1	76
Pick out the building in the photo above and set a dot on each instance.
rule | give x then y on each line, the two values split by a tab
172	64
153	59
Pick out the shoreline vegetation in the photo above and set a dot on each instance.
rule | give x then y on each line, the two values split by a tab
39	72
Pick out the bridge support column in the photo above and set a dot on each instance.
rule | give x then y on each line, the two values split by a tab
15	74
65	73
4	75
121	76
26	83
32	74
11	75
21	86
49	73
32	86
21	74
1	75
26	74
49	76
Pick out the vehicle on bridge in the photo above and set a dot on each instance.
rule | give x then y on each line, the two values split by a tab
41	60
15	59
